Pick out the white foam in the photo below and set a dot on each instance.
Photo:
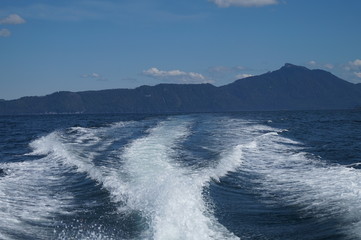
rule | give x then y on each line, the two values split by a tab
85	136
43	145
236	135
149	179
229	162
75	155
319	189
78	148
74	152
28	199
169	195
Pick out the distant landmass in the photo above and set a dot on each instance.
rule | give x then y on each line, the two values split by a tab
289	88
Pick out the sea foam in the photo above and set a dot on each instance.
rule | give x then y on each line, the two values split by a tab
299	179
169	195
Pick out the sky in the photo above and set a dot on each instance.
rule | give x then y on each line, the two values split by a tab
78	45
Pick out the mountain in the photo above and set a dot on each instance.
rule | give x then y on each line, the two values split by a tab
358	86
295	88
289	88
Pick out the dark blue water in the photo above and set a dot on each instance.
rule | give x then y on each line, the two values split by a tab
255	175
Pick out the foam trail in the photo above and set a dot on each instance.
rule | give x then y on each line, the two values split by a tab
75	155
30	198
170	196
77	149
237	136
321	190
149	179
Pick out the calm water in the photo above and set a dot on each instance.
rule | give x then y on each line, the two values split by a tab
270	175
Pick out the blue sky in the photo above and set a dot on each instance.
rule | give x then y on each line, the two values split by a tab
77	45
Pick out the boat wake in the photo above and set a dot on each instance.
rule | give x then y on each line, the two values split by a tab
151	179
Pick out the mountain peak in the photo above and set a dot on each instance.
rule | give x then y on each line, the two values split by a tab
292	66
288	65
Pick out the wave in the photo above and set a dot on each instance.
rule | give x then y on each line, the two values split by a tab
85	151
169	195
146	176
71	150
295	178
140	165
30	197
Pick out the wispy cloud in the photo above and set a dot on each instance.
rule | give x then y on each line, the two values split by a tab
354	67
312	63
355	63
244	3
74	10
329	66
12	19
5	32
58	13
243	75
94	76
350	71
315	64
104	10
225	74
175	76
358	74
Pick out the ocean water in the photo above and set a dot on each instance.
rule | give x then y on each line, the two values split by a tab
253	175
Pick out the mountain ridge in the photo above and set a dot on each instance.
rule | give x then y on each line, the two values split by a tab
291	87
295	88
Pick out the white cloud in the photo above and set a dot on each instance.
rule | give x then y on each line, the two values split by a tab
353	65
225	74
4	32
244	3
312	63
358	74
356	63
175	76
12	19
349	71
243	75
239	68
329	66
94	76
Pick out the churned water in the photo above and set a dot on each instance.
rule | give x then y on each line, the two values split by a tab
254	175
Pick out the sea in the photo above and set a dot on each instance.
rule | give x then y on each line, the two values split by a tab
247	175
